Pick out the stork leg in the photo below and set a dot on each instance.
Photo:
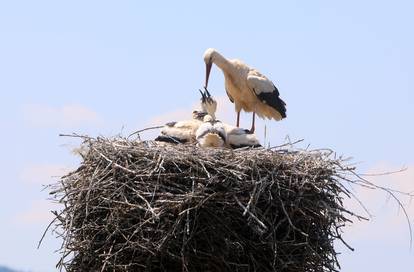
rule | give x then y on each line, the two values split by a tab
238	119
253	125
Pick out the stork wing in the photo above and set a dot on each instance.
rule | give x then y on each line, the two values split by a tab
230	97
266	91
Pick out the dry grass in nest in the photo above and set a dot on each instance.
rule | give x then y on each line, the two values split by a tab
139	206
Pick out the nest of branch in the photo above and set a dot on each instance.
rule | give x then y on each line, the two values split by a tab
138	206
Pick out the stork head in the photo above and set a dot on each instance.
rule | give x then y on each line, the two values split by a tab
208	103
199	115
209	56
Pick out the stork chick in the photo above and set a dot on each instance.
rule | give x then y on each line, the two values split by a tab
239	137
185	131
208	103
211	133
179	132
247	88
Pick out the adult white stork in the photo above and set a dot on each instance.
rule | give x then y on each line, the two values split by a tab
235	137
247	88
211	133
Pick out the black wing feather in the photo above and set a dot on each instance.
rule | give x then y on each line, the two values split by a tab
170	139
272	99
233	146
171	124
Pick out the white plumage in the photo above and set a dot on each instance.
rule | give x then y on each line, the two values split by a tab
179	132
185	131
247	88
239	137
208	104
211	133
205	130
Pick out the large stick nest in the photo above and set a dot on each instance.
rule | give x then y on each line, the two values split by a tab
138	206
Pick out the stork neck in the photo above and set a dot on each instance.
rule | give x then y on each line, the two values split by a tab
223	63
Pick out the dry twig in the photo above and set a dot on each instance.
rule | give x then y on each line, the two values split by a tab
138	206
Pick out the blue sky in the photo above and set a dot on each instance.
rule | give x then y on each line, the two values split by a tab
345	69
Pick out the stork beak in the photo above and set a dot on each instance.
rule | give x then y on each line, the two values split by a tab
203	96
208	69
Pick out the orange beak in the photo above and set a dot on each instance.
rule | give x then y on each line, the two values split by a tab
208	69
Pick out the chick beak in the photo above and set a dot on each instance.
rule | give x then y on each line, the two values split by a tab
203	96
207	93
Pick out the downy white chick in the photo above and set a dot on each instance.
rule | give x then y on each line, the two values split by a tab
185	131
239	137
211	133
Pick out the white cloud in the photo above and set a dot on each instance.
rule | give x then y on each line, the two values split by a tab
44	173
386	213
67	116
176	115
224	110
38	213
